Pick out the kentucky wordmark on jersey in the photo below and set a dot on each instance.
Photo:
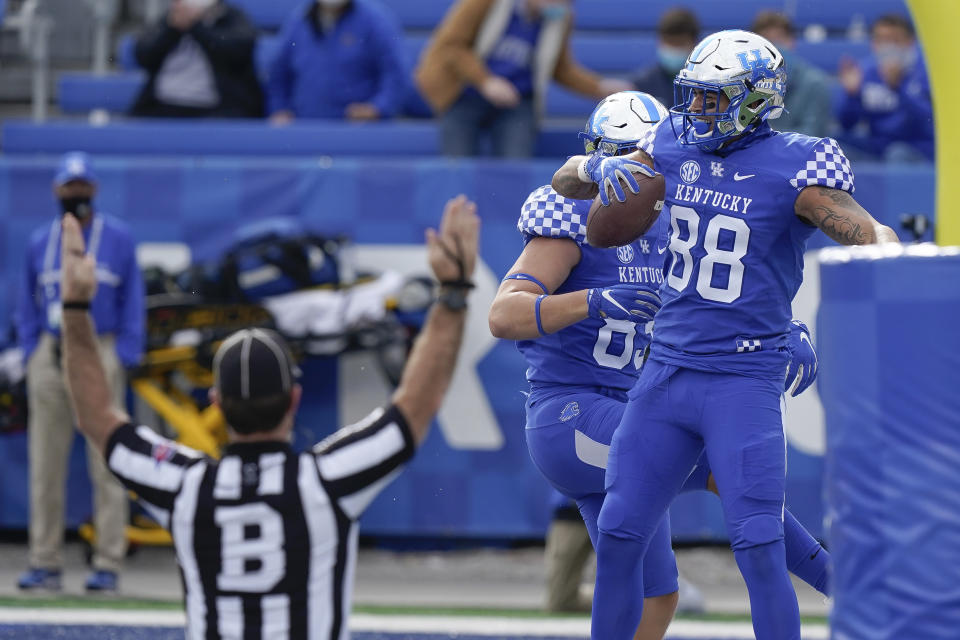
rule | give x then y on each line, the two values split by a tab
736	246
265	537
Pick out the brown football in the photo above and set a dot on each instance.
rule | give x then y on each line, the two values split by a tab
621	223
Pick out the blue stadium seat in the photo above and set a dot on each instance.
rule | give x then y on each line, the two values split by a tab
264	53
420	14
126	56
83	92
223	137
619	15
250	138
413	46
267	14
614	52
827	54
836	15
562	103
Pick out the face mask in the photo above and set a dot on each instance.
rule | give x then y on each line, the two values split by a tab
896	54
79	207
671	59
556	11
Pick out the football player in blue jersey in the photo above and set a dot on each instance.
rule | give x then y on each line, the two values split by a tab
741	201
581	316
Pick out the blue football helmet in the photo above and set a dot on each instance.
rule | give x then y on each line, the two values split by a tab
619	121
746	68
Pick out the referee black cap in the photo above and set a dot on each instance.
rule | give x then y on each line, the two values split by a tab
254	363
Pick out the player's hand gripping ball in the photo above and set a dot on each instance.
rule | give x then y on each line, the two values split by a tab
614	222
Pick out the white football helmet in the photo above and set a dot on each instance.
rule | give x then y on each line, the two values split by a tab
747	68
619	121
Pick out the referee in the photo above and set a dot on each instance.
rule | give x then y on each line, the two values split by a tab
265	537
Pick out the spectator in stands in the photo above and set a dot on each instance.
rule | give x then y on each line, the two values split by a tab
808	99
677	34
338	59
487	67
884	106
118	310
199	61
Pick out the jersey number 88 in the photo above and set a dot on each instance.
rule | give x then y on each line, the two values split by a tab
732	258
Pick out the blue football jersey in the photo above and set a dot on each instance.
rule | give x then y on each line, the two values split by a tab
736	245
608	352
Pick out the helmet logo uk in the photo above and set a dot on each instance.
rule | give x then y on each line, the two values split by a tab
757	61
690	171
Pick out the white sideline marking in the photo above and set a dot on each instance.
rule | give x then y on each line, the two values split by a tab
476	625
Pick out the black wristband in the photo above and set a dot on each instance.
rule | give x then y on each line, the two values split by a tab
456	284
79	305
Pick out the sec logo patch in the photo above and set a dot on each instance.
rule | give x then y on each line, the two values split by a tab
690	171
625	254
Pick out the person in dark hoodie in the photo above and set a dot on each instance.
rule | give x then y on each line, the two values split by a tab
199	58
338	59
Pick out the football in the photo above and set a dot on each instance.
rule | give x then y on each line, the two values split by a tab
621	223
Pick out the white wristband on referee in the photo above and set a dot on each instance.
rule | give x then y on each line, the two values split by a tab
582	171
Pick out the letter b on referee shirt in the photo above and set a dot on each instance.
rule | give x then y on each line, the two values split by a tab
252	548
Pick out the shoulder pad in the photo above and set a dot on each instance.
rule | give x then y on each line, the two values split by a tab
548	214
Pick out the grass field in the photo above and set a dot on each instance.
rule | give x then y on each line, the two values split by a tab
127	619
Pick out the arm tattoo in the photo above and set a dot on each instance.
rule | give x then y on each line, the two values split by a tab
839	216
840	226
567	183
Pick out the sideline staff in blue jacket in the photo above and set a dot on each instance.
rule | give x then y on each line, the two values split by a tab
338	59
118	312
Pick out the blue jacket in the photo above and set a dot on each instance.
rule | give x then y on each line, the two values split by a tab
118	307
316	75
904	114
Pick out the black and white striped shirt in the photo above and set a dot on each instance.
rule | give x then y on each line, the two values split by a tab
266	538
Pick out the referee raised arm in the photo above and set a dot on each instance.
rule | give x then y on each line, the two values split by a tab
265	537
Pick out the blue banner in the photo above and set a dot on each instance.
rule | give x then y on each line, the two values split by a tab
473	476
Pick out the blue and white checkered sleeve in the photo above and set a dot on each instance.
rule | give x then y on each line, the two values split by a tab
827	167
645	143
548	214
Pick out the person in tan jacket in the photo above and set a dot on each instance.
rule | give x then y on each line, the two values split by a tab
487	68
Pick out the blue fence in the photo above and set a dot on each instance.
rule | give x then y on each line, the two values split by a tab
459	491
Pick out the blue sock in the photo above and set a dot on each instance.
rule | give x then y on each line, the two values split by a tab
806	559
773	603
616	607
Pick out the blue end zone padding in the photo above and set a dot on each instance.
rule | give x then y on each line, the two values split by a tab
420	14
889	355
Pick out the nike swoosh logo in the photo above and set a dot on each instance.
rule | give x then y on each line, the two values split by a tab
815	553
619	126
609	298
737	177
661	250
804	338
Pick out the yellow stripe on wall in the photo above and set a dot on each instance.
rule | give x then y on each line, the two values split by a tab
936	22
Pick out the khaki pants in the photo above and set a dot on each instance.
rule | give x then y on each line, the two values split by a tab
567	551
50	434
